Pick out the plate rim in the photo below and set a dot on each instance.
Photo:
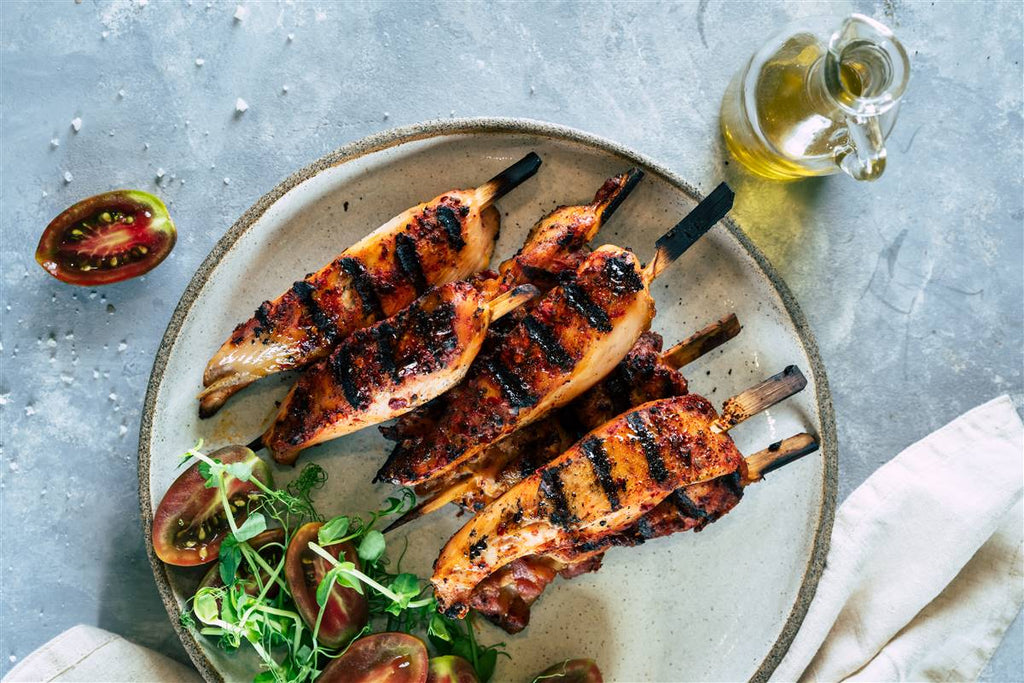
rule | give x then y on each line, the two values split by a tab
436	128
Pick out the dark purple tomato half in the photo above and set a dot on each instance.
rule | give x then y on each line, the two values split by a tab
346	611
572	671
380	658
190	521
107	238
450	669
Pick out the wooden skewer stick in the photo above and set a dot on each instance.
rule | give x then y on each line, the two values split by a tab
761	397
673	243
632	178
778	454
503	183
703	341
511	300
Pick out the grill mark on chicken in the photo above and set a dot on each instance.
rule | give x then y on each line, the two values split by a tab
545	338
551	487
686	507
363	284
263	323
598	458
436	326
384	334
578	299
341	365
452	227
622	276
515	391
408	261
649	443
321	321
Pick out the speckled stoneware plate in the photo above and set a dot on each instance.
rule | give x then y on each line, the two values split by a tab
721	605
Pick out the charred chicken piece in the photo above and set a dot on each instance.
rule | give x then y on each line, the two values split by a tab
505	597
599	487
443	240
389	368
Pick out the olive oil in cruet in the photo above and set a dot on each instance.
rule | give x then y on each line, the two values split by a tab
814	101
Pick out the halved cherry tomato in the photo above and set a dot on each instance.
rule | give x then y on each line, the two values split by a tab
380	658
347	611
270	546
450	669
190	521
571	671
107	238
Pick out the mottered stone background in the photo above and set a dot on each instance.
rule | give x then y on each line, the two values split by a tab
913	284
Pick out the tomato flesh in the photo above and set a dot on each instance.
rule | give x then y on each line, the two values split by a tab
107	238
380	658
190	521
451	669
346	611
572	671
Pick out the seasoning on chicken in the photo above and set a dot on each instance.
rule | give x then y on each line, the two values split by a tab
645	374
505	597
389	368
601	486
571	338
443	240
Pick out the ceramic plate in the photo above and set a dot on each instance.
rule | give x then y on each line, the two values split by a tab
720	605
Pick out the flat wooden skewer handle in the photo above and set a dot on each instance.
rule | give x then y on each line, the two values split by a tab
778	454
511	300
686	232
745	405
700	343
506	181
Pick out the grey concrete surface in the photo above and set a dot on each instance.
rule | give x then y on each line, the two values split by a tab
913	284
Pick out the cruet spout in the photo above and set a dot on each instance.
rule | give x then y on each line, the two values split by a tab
866	72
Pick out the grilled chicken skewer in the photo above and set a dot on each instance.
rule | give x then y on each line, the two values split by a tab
571	338
505	597
397	364
602	485
645	374
443	240
389	368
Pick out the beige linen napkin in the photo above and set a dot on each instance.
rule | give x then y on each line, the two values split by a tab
924	574
89	654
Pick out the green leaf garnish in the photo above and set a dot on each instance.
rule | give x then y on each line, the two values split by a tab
371	548
333	530
230	558
254	525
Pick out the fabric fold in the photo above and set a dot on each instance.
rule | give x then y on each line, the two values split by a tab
919	553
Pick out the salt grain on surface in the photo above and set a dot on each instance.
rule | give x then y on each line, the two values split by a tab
227	181
68	177
241	105
200	61
160	172
241	13
76	123
55	143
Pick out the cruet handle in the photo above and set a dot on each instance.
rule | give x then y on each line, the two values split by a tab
863	157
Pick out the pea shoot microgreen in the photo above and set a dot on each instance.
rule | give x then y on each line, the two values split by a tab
244	607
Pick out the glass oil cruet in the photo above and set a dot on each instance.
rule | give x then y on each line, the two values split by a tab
816	100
